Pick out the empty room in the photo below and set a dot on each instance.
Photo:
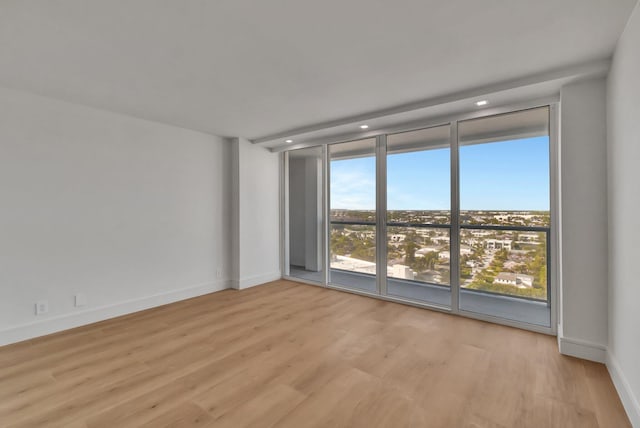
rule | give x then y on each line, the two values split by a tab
232	213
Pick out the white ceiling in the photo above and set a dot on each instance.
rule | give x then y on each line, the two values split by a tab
260	68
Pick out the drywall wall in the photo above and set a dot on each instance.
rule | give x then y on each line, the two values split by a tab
313	214
297	212
256	206
305	212
130	213
623	125
583	325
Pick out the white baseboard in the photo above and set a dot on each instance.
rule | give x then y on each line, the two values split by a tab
601	354
101	313
582	349
252	281
628	398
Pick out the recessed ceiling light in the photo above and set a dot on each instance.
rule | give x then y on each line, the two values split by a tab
364	126
482	103
288	141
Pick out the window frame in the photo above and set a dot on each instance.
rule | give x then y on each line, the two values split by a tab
381	219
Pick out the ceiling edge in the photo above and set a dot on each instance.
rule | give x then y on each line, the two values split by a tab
573	72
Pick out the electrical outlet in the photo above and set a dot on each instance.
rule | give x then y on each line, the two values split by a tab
81	299
219	273
42	307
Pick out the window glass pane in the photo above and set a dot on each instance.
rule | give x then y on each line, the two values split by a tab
504	169
419	196
504	215
353	214
419	176
507	262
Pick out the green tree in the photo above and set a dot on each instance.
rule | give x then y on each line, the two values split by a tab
410	248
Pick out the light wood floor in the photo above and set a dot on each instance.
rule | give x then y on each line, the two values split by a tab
294	355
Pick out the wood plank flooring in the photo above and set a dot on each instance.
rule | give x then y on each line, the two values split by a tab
294	355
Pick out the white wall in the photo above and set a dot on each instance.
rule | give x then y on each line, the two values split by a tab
257	208
624	211
583	318
130	212
305	212
313	214
297	212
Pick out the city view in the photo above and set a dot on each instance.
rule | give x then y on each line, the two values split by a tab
511	262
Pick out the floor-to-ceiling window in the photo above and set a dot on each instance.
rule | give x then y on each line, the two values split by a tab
505	215
352	202
456	216
419	215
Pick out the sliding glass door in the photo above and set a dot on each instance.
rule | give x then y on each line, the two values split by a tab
419	215
505	216
456	216
352	202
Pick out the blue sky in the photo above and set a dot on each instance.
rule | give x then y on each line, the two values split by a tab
509	175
